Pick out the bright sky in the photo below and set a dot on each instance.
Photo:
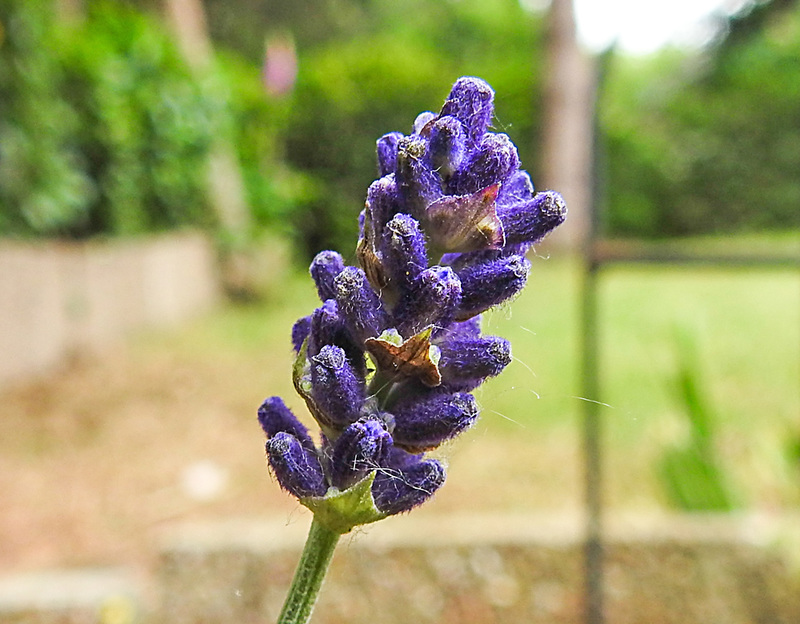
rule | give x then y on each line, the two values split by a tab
642	26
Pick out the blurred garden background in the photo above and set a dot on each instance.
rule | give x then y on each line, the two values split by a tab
254	122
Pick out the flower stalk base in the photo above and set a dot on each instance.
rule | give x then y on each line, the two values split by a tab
310	573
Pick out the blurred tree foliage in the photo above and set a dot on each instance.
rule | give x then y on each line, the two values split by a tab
103	130
708	143
368	67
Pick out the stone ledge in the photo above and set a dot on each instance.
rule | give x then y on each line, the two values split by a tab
485	569
89	596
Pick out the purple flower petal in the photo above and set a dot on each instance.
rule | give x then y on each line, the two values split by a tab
324	269
432	299
359	304
337	389
529	221
424	422
487	284
387	153
274	417
397	490
362	447
297	469
471	101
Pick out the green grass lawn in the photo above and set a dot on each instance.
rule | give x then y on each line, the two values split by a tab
744	324
170	398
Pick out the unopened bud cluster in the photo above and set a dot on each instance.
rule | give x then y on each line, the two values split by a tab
386	364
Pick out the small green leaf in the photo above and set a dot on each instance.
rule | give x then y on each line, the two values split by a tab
342	510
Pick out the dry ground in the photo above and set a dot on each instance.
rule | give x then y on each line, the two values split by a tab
94	458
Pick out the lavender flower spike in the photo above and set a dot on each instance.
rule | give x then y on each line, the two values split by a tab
388	361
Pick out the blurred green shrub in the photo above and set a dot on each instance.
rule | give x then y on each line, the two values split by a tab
104	131
708	143
145	124
44	187
690	472
368	67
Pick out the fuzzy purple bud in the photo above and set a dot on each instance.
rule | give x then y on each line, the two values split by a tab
528	222
324	269
404	252
400	490
274	417
387	153
517	188
494	161
362	447
300	331
418	184
447	146
466	363
422	120
337	389
297	469
432	299
471	101
488	284
359	304
383	201
423	423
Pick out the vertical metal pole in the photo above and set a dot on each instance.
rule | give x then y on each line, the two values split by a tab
592	433
590	383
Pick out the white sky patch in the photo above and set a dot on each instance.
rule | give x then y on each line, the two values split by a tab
643	26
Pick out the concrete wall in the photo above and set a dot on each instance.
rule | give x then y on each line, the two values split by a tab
447	569
61	298
483	570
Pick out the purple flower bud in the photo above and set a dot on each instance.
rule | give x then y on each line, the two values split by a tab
447	146
471	328
517	188
487	284
418	184
422	120
383	201
362	447
300	331
423	423
471	101
337	389
466	363
432	299
404	252
387	153
274	417
494	161
530	221
328	328
297	469
359	304
324	269
396	490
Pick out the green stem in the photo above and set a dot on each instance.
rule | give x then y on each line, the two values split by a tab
310	573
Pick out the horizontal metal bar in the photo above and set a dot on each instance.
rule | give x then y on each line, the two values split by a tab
618	252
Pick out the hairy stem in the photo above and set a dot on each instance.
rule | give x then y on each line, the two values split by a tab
310	573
